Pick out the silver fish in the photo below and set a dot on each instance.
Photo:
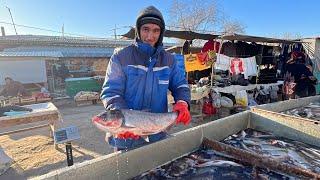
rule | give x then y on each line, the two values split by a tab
220	163
138	122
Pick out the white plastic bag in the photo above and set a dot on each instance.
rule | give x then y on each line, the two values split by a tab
226	102
216	98
242	98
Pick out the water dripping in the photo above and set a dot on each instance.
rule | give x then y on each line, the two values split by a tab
117	160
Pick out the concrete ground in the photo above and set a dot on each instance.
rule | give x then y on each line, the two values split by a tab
33	152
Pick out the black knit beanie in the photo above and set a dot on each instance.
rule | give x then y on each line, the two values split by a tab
150	15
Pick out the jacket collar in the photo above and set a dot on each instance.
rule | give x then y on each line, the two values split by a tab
147	49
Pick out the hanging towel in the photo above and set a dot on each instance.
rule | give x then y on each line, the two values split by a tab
250	66
223	62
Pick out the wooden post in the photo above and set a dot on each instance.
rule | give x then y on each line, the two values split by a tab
52	128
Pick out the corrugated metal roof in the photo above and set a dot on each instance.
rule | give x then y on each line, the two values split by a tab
31	54
66	41
57	52
58	46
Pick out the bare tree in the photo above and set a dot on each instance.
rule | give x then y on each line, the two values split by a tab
193	15
233	26
291	36
201	16
287	36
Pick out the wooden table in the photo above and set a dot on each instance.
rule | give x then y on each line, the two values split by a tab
22	100
43	112
87	101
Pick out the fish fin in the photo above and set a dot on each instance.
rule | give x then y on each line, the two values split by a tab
146	138
123	124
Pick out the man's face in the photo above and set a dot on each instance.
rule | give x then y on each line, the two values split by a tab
150	33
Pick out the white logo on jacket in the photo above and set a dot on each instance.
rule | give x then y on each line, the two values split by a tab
163	81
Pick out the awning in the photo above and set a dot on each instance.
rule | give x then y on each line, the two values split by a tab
248	38
190	35
187	35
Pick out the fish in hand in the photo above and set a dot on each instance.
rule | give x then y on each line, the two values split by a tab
138	122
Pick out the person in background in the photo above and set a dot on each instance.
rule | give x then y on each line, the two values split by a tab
12	88
44	93
139	76
302	75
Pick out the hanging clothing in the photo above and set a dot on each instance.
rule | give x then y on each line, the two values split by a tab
229	49
250	67
211	45
222	63
245	66
196	62
236	66
186	47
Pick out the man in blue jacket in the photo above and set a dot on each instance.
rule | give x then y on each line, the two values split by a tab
139	76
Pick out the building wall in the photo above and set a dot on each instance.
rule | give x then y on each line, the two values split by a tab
312	47
76	67
24	71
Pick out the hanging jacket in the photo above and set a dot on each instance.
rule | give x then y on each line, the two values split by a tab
139	76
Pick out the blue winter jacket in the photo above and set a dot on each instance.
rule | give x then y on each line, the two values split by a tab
139	76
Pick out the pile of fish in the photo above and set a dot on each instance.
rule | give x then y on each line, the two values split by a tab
210	164
285	150
311	111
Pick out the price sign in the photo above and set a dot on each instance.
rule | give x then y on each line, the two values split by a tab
66	134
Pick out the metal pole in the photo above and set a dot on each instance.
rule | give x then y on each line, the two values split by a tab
115	31
62	30
69	154
12	20
212	70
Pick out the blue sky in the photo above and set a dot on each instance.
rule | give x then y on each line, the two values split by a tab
97	18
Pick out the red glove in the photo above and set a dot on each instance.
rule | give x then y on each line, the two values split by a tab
184	115
128	135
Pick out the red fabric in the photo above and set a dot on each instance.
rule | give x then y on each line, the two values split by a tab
236	66
184	114
211	45
297	55
208	109
127	135
203	57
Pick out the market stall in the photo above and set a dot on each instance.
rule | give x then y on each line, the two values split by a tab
244	70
